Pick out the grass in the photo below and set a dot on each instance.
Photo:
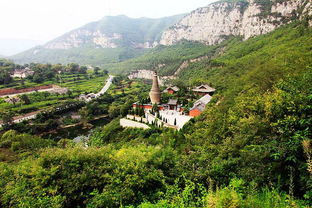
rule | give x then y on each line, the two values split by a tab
91	85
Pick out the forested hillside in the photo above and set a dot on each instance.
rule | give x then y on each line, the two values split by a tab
84	55
164	59
258	122
250	148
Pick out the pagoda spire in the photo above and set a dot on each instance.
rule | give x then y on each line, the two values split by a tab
155	91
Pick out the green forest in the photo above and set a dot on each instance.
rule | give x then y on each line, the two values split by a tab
251	147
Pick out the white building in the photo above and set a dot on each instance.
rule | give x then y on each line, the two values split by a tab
22	73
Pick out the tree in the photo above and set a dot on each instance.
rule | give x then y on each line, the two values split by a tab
5	77
38	78
25	99
113	111
84	116
96	70
105	72
83	70
13	100
72	67
7	118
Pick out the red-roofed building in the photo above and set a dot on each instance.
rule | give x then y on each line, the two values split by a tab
199	106
171	90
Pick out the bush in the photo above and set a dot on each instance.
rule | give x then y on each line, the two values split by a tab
23	142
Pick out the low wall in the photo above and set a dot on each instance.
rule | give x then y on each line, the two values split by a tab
137	118
126	123
11	91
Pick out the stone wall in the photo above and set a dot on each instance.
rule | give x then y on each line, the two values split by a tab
126	123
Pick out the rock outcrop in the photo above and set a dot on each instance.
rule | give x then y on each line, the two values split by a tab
84	37
115	32
216	22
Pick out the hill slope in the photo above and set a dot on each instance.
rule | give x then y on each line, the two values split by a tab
164	59
110	39
114	39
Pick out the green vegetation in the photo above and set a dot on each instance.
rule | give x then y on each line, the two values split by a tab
78	79
165	59
5	68
259	61
84	55
85	84
250	148
22	143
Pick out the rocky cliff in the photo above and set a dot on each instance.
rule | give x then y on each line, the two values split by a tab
216	22
114	32
85	37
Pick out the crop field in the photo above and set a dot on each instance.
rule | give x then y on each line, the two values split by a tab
44	100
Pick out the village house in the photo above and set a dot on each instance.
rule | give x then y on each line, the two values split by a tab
22	73
204	90
171	90
199	106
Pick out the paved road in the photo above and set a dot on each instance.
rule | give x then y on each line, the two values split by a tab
109	81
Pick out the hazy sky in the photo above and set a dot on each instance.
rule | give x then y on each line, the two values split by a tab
46	19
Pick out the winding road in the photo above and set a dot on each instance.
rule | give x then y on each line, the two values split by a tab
109	81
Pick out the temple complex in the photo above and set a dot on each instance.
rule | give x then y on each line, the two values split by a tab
170	114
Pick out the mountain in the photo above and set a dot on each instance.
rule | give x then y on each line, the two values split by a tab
110	39
215	26
251	146
114	32
220	20
114	39
10	46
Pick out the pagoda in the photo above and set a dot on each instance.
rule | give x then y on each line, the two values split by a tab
155	91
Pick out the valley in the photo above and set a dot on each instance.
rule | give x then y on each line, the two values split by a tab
207	109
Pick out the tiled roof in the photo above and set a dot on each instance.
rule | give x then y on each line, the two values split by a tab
174	88
204	88
201	103
205	99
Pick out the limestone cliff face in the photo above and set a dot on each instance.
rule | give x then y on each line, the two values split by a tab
214	23
115	32
79	38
